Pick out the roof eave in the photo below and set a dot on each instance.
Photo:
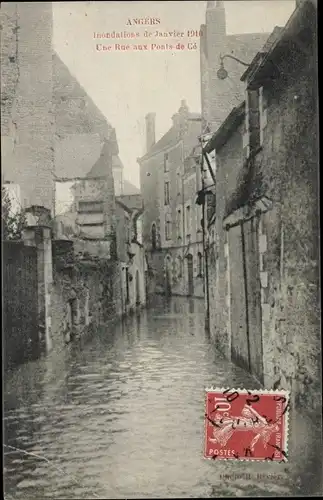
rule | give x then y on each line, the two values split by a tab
257	69
228	126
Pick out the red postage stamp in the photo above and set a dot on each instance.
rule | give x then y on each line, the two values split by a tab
246	425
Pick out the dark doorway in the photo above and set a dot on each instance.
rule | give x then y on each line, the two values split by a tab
153	237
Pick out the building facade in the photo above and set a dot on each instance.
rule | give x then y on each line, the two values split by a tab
266	235
27	119
130	251
218	97
170	178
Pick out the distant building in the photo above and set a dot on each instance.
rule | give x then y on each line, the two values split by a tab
169	174
130	252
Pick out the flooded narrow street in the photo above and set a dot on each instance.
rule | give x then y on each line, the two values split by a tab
121	414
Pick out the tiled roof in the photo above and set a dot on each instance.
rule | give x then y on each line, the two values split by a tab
103	164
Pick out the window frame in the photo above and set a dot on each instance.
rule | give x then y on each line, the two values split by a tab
188	220
168	227
166	162
166	193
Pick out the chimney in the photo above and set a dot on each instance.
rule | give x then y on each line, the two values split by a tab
183	110
150	130
215	19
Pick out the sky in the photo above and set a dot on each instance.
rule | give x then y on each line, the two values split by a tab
128	84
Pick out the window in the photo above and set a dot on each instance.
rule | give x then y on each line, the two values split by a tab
166	193
127	286
153	237
188	220
168	227
179	223
166	162
199	215
178	183
179	267
199	264
90	206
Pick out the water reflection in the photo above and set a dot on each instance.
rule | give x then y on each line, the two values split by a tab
120	415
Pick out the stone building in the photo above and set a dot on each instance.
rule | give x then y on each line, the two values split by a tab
50	126
169	176
53	134
265	239
218	97
27	119
130	252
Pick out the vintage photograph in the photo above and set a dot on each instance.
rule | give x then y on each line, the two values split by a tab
160	249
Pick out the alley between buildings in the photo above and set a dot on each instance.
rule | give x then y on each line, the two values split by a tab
91	420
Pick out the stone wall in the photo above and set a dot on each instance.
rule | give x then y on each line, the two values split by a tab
229	171
280	184
26	100
85	292
289	171
93	224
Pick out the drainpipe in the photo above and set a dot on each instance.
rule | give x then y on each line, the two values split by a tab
206	266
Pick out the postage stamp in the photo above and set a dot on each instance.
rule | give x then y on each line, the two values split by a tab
243	424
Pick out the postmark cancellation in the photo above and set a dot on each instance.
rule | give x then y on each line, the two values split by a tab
243	424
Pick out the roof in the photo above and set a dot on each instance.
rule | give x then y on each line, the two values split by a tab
132	202
230	124
116	162
129	189
301	21
86	116
170	138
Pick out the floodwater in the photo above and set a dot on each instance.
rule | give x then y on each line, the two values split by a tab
120	414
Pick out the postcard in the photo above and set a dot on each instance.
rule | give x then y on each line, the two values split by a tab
160	235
